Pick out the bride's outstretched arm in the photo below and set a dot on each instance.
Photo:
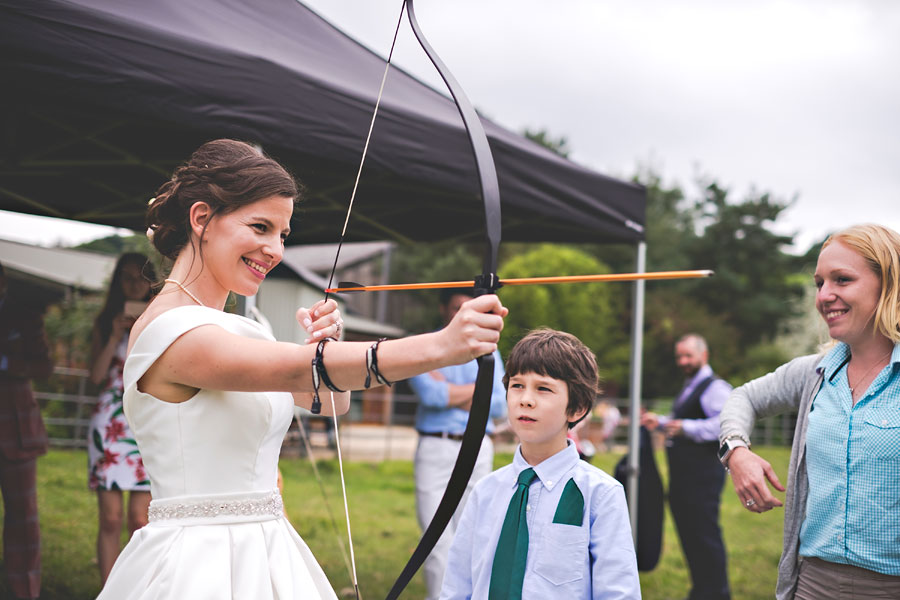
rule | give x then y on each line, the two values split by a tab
209	357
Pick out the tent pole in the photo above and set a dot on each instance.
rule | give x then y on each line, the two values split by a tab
634	405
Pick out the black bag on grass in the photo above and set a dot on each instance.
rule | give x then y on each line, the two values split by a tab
650	503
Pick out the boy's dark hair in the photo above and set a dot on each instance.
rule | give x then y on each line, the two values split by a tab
562	356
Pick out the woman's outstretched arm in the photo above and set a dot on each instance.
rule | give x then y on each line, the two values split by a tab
209	357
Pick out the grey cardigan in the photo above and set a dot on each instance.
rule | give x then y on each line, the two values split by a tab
792	386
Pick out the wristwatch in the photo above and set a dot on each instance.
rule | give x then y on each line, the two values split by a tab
728	447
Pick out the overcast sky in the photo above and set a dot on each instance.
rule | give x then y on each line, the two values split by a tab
799	98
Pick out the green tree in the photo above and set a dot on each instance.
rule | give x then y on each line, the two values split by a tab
558	145
116	245
668	312
592	312
670	224
752	298
445	261
668	315
753	284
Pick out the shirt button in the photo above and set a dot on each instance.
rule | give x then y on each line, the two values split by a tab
551	483
528	507
884	422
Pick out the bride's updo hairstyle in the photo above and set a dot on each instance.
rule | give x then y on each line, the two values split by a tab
226	174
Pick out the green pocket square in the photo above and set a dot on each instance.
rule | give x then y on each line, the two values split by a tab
570	510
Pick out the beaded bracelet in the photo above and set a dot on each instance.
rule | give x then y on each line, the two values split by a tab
372	366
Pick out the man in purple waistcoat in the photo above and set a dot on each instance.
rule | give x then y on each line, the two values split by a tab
696	476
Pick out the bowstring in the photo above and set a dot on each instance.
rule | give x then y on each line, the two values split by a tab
337	255
337	440
315	467
365	151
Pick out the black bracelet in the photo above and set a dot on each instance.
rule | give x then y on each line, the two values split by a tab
316	406
319	373
372	365
320	366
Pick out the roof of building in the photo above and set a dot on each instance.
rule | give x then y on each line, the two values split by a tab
320	257
57	267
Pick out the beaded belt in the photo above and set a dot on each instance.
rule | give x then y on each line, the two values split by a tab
251	505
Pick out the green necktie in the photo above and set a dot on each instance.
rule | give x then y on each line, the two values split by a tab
508	570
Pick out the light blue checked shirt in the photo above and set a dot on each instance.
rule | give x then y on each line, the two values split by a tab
853	466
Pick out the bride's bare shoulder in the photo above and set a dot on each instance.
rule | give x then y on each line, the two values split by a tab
155	309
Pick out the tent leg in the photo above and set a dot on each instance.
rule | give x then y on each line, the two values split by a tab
634	412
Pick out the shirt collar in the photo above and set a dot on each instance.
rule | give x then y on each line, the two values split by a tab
701	374
550	471
832	362
838	356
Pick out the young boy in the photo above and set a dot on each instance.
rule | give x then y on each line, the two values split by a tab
549	525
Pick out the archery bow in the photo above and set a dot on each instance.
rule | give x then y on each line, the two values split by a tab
486	283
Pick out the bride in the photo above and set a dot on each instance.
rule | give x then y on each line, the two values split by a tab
209	395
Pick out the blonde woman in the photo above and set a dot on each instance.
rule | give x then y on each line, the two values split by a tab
842	507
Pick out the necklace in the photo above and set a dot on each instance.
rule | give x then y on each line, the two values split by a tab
863	376
193	297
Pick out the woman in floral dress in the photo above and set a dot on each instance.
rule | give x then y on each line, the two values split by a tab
115	464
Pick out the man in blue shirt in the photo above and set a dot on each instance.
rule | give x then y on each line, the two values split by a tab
696	476
445	396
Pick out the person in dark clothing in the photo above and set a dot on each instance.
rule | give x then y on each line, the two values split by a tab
24	355
696	476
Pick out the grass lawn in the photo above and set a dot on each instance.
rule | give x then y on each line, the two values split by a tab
382	505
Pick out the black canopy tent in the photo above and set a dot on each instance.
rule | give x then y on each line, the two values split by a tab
102	99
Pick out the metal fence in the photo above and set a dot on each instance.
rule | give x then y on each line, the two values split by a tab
67	403
68	399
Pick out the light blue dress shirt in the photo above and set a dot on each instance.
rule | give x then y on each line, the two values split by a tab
853	466
433	414
595	560
712	401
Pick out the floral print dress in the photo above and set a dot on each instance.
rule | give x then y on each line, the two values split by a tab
114	462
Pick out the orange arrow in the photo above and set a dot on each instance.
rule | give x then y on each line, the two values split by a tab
349	286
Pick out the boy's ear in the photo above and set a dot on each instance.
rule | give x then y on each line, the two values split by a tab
578	414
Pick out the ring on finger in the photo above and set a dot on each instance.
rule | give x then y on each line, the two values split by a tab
750	502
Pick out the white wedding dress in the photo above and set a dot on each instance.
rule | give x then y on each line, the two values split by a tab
217	530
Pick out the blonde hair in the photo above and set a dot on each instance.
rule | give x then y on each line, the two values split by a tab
880	247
